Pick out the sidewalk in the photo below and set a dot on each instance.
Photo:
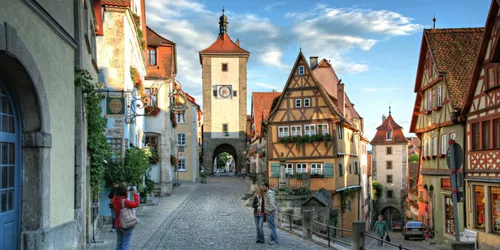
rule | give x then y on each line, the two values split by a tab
150	217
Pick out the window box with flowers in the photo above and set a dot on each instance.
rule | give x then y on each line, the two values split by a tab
152	111
173	160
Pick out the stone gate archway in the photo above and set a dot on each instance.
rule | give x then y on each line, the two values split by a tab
224	148
391	214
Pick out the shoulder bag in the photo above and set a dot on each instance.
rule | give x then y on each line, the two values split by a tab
128	219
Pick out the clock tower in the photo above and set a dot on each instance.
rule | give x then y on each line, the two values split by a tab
224	74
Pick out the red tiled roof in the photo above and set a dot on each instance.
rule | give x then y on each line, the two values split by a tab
261	106
118	3
388	125
454	52
327	77
154	39
224	44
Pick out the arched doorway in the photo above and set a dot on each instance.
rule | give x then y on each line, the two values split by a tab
230	156
10	170
391	215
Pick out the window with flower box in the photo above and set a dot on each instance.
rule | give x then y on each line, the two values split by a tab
288	168
300	168
296	130
309	129
283	131
316	168
323	129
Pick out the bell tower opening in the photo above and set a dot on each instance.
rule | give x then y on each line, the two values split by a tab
224	74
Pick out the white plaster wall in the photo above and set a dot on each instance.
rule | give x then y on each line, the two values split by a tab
397	157
55	62
225	110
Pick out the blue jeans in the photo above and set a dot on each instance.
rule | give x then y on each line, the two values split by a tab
123	237
259	223
272	226
113	218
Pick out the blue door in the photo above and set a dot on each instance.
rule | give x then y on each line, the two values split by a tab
10	173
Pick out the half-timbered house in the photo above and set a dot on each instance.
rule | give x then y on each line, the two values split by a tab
482	111
442	80
312	131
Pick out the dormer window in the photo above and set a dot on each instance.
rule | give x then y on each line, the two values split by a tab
492	75
151	56
301	70
388	135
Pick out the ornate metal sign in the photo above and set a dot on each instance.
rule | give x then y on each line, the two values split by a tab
179	101
115	105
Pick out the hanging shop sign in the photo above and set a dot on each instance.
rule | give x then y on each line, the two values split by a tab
115	105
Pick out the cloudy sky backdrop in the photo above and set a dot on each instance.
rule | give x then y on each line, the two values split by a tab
373	45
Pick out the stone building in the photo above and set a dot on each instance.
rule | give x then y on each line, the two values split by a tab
45	202
159	82
187	140
224	69
121	50
390	164
441	85
313	131
482	161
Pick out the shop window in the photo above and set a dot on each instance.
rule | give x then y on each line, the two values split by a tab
495	209
479	200
449	222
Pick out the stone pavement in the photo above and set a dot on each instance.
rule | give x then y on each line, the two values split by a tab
202	216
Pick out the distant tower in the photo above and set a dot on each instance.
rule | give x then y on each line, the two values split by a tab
224	73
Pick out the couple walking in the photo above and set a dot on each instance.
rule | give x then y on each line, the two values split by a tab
265	210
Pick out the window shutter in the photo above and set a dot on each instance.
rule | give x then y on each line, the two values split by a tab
328	170
275	170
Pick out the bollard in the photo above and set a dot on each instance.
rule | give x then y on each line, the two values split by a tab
307	224
463	246
358	235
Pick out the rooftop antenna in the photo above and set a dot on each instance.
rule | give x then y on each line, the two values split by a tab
434	20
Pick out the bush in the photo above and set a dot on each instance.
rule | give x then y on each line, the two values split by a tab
377	189
131	171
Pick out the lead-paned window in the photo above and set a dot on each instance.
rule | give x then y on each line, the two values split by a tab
283	131
309	129
486	135
151	56
181	139
181	165
475	136
296	130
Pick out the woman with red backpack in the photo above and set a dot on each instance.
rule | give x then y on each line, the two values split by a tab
124	228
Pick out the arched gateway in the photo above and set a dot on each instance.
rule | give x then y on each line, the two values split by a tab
224	69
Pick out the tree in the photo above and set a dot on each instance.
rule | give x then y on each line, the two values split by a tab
414	158
222	159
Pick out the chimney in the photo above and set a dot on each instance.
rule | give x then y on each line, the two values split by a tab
313	61
383	118
341	98
238	42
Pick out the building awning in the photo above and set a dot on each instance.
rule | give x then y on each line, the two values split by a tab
490	180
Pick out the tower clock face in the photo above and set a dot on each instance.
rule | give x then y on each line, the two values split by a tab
225	91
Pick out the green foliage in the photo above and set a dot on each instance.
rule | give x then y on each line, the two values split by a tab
306	139
294	190
348	195
152	154
150	185
414	158
97	146
222	159
131	171
137	21
377	189
203	175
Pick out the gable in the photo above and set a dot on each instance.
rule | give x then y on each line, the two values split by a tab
302	85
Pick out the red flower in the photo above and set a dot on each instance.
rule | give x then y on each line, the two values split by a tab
451	141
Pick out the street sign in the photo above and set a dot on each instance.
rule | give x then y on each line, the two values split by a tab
459	156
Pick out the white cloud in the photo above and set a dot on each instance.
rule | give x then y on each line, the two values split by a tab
265	85
269	7
332	32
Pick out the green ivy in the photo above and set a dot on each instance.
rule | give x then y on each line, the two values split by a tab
97	146
377	189
347	195
131	170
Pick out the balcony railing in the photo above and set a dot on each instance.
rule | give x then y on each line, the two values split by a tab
297	180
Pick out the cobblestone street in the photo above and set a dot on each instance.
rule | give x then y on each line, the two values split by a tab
201	216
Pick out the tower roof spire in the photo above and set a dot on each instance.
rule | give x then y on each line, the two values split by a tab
434	21
223	23
389	108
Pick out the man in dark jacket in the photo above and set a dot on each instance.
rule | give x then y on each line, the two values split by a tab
113	214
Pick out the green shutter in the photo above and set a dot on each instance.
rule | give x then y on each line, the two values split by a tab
328	170
275	170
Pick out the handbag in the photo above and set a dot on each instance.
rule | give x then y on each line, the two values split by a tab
387	238
128	219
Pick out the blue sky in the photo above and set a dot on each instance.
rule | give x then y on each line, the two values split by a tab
373	45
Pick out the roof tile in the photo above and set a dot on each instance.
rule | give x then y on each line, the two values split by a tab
397	133
224	44
261	103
